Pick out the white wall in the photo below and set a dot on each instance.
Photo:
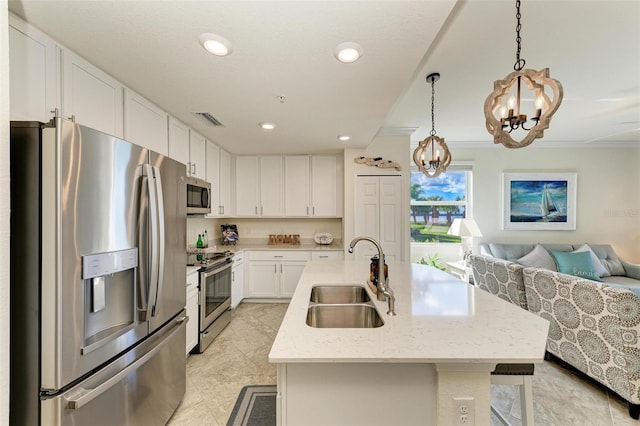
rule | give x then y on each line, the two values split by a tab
392	146
4	213
608	193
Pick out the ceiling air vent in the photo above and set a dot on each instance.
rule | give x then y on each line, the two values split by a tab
208	118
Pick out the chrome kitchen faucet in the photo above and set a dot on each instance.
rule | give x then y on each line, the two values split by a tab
383	292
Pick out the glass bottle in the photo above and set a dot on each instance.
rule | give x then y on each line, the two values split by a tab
199	244
205	239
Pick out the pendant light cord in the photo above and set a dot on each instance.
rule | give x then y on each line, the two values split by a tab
519	65
433	120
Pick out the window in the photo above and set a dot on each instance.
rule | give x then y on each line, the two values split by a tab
436	202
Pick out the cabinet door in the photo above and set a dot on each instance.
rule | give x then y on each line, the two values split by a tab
324	186
247	186
213	177
296	190
237	284
225	183
263	279
197	155
290	273
33	71
178	141
93	97
192	311
144	123
271	186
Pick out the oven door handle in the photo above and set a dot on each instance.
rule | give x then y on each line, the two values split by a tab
226	265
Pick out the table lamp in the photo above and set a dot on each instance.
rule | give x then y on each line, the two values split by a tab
466	229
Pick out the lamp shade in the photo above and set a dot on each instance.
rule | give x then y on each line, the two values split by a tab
464	228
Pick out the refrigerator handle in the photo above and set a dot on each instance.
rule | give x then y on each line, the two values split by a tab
161	239
88	395
149	172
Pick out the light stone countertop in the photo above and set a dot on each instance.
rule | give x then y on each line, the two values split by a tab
439	319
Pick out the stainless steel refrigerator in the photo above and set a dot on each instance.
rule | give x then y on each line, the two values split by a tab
97	279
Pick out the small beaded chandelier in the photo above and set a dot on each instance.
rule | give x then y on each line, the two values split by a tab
502	119
440	155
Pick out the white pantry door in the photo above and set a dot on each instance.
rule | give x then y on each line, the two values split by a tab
378	214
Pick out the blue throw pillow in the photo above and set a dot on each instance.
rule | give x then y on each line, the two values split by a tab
576	263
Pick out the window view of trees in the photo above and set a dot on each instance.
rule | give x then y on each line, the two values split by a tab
435	203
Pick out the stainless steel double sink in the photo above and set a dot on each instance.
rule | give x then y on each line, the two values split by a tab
342	306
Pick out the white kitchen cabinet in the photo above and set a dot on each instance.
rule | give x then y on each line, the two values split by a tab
225	184
213	177
378	214
178	141
325	194
197	155
33	70
93	97
237	280
296	185
271	186
246	179
144	123
192	311
326	255
275	274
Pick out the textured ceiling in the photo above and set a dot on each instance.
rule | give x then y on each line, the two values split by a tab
286	49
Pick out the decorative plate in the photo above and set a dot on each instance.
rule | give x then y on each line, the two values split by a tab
323	238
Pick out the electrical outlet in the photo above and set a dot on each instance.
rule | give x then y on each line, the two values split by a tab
463	411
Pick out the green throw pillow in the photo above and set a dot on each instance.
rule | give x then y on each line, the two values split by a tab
576	263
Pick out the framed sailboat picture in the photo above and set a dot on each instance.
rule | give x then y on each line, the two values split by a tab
539	201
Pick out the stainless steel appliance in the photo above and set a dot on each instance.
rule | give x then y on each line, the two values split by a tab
198	196
98	227
215	298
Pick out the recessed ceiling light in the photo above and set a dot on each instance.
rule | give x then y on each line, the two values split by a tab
267	126
215	44
348	52
344	138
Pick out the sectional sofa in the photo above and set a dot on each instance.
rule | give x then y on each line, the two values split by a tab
594	323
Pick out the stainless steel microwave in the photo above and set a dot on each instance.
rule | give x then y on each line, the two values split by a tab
198	196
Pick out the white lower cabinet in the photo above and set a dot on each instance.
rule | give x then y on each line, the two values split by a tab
237	280
192	310
275	274
327	255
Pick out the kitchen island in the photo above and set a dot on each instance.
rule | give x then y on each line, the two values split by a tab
443	343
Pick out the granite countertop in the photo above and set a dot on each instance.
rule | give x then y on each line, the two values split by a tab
439	319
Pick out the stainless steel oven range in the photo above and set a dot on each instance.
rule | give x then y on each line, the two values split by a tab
215	298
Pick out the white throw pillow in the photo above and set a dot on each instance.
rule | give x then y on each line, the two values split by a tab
598	267
539	257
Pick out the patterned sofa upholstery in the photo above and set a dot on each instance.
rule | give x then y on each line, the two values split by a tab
593	327
500	277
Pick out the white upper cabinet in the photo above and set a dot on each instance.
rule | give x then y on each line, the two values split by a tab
178	141
144	123
296	185
92	96
271	186
325	192
33	69
197	155
213	177
225	183
247	200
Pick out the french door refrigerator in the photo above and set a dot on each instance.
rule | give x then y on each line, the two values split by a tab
97	279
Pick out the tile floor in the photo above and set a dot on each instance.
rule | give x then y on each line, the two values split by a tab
238	357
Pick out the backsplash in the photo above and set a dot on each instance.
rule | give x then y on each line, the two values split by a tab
258	230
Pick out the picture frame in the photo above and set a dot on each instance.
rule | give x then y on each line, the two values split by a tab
539	200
